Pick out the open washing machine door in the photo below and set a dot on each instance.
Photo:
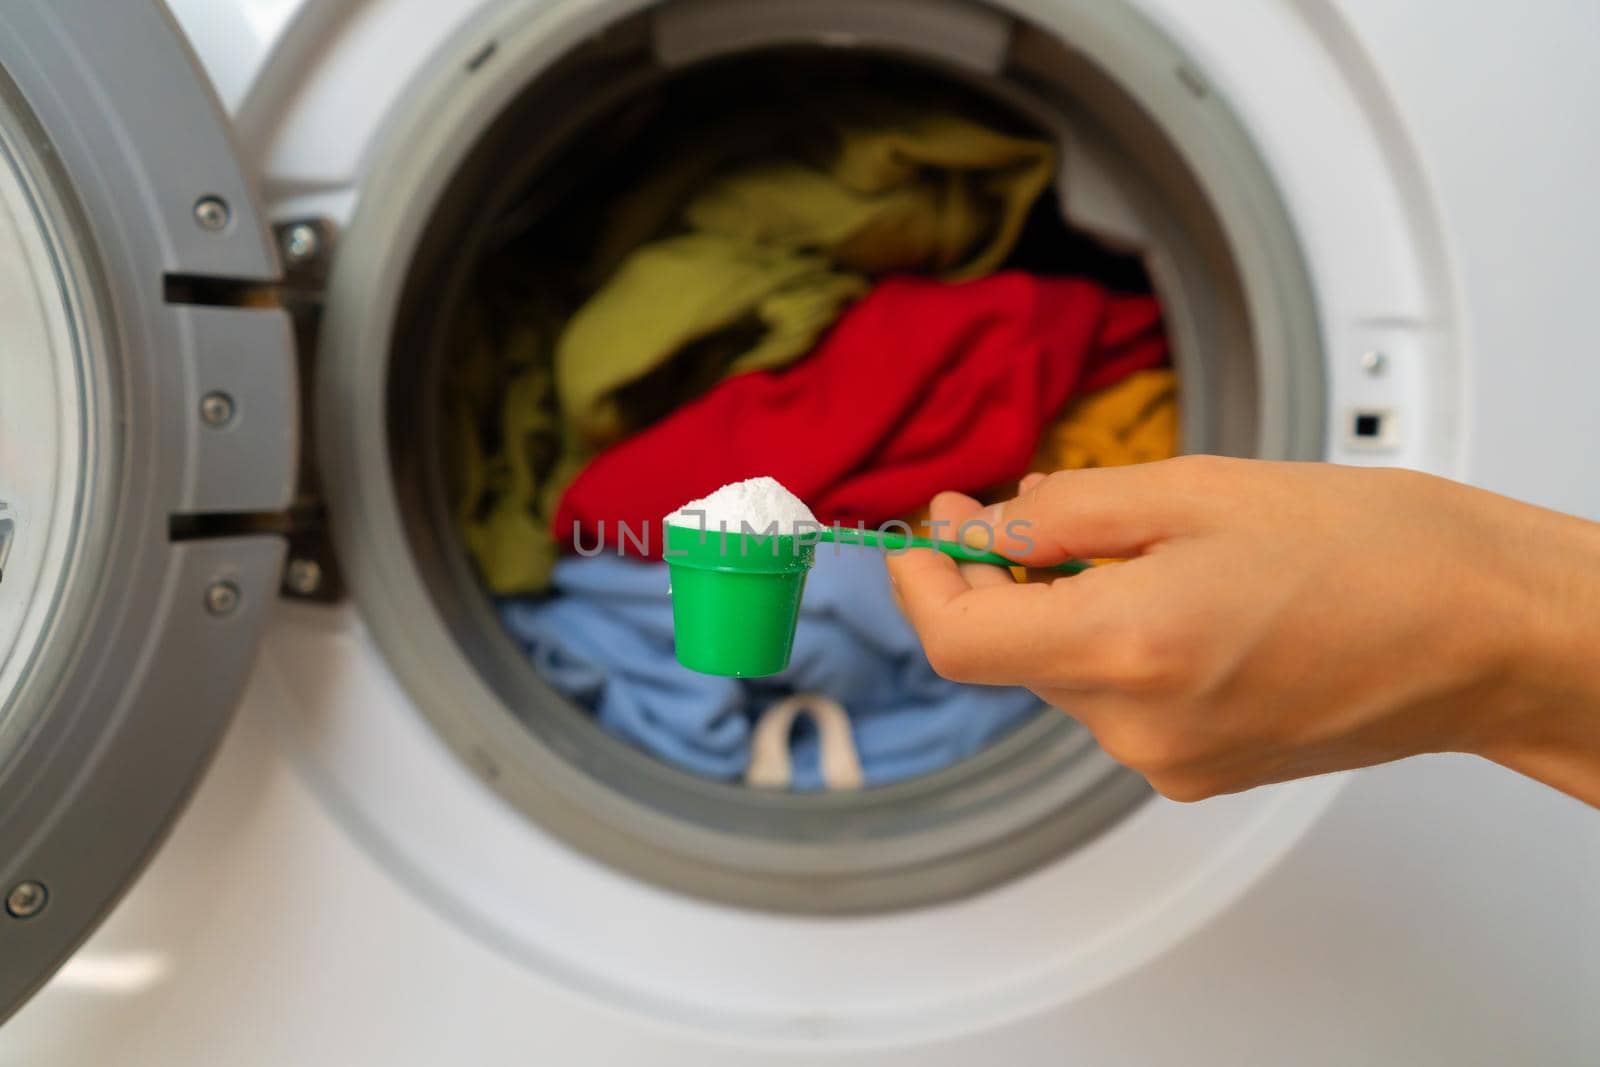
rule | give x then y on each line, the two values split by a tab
147	437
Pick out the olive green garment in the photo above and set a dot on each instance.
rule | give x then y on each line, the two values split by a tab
927	192
902	190
665	308
508	442
512	541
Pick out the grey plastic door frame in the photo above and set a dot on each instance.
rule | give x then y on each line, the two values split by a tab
105	112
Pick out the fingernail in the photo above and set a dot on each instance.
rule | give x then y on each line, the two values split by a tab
979	532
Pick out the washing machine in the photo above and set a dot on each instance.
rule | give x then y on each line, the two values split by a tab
274	789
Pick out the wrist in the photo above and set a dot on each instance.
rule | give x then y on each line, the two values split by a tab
1544	707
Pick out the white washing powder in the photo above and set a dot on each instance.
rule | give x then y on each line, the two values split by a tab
757	501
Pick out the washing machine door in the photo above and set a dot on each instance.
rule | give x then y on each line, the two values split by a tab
147	437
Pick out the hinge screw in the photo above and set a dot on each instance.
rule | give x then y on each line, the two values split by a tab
216	409
212	213
304	576
26	900
222	598
301	244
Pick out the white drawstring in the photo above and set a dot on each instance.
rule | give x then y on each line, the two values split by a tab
770	766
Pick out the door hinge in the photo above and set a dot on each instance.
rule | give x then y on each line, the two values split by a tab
304	246
312	571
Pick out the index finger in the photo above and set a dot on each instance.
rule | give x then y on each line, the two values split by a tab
1098	512
1029	634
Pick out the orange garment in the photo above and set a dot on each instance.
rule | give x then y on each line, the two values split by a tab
1133	421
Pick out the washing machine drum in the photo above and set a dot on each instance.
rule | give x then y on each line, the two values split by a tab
495	141
147	422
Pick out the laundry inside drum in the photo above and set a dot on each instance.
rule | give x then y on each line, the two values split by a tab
873	274
847	274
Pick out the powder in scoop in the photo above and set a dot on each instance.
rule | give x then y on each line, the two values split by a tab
757	501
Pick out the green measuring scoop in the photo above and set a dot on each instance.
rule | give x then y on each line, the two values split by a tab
736	596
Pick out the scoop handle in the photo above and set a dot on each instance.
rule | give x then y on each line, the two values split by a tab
850	535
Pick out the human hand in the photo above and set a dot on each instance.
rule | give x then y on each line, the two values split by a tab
1279	620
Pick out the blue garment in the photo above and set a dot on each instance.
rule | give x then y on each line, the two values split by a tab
605	640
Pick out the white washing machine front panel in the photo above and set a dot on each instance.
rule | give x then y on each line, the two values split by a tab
346	891
1112	905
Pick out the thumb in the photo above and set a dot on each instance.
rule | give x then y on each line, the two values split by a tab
1095	513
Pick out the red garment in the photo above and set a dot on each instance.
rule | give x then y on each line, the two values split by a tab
922	386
